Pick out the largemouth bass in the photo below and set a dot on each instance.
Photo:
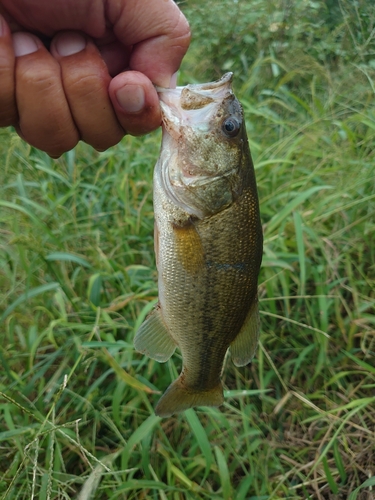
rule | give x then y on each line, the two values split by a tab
208	243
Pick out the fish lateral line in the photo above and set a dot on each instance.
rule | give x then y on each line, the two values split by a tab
228	266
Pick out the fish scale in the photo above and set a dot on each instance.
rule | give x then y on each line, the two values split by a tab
208	243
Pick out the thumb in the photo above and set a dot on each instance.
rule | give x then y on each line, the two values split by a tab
158	32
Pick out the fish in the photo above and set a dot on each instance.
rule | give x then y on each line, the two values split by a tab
208	243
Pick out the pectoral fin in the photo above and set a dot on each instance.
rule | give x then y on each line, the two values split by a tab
244	345
154	339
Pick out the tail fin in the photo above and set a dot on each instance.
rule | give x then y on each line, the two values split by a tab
178	398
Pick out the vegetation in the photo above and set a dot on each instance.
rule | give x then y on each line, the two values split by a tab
77	276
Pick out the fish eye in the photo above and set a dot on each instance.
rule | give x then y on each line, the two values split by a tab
231	126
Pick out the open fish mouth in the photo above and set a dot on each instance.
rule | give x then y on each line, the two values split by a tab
193	103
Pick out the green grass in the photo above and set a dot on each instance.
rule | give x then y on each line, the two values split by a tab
77	276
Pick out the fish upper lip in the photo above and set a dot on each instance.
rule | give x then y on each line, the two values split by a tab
223	81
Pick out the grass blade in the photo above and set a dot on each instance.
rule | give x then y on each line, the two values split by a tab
140	433
223	473
201	438
125	376
278	218
359	362
367	484
298	225
29	294
68	257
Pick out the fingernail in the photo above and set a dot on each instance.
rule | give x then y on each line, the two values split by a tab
131	98
173	82
24	44
69	43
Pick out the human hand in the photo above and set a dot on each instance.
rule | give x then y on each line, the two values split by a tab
95	82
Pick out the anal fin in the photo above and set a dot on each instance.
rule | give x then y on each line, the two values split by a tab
244	345
154	339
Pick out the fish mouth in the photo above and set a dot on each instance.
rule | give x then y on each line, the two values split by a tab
193	103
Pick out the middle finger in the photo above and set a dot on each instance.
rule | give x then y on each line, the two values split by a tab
86	79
